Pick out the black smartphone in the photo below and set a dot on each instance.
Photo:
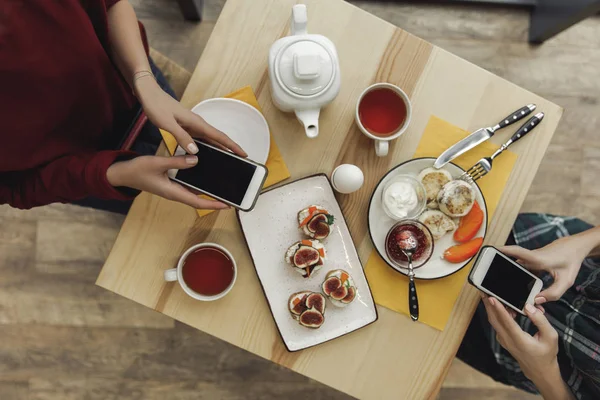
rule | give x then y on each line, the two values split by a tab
222	175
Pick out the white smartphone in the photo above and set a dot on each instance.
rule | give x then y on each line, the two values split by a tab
497	275
222	175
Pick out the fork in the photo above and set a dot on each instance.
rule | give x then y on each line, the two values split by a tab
483	166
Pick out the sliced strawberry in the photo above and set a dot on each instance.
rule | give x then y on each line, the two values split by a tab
350	296
339	293
331	284
316	301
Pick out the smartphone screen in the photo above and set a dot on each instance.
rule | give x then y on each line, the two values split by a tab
220	174
508	281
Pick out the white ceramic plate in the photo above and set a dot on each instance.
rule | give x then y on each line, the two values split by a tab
271	227
380	223
241	122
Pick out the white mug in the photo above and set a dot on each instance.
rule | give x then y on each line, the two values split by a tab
382	143
175	274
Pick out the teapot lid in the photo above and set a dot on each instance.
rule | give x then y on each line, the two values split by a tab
305	67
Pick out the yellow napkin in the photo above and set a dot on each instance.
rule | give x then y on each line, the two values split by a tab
437	297
278	171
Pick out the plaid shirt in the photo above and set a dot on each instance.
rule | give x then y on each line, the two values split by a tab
575	316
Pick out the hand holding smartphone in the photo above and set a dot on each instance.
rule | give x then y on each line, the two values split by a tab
497	275
222	175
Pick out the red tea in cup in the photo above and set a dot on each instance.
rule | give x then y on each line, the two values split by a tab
208	271
382	112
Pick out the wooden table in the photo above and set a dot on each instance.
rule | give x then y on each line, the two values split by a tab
393	358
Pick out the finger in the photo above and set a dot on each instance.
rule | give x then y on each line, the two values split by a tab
216	144
199	127
542	309
177	162
183	138
178	193
556	290
513	313
540	299
537	317
525	257
488	303
504	319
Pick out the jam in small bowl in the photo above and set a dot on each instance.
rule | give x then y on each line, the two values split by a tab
396	238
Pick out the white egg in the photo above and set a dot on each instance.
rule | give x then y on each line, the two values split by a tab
347	178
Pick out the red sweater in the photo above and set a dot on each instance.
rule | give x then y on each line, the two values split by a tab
61	95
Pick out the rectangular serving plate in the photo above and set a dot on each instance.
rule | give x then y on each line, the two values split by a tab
271	228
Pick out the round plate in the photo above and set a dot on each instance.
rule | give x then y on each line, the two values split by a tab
380	223
243	123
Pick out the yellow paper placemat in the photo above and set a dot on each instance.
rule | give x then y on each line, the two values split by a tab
278	171
437	297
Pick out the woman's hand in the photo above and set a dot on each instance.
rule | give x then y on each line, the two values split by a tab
537	354
167	113
561	258
149	173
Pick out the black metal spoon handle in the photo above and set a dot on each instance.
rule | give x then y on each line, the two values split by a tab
516	116
413	300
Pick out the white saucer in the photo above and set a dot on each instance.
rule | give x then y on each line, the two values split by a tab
380	223
241	122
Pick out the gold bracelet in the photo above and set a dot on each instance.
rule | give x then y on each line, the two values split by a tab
141	74
138	75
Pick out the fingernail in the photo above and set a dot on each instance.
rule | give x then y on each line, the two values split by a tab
191	160
492	301
192	148
530	309
540	300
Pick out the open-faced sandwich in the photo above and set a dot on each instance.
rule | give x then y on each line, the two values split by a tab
306	257
339	287
315	222
308	308
433	181
456	198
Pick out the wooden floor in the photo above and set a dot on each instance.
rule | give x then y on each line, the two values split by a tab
63	338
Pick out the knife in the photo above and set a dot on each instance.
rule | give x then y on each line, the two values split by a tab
480	136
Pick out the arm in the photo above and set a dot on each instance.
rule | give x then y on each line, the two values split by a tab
128	53
64	180
552	386
127	47
590	242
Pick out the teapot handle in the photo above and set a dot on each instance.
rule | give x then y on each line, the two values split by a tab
299	19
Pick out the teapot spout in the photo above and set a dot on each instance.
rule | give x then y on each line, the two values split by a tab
310	120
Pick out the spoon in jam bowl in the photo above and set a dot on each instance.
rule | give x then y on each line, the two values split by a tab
408	243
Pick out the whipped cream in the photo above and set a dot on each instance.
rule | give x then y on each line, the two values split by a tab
400	198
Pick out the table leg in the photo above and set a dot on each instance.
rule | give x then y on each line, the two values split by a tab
191	9
551	17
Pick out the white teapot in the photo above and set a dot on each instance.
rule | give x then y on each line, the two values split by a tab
304	71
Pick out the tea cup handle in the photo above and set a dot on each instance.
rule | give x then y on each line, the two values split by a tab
381	148
170	275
